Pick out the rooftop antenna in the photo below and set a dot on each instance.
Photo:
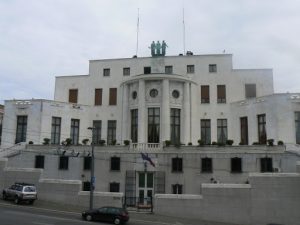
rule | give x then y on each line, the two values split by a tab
137	32
183	26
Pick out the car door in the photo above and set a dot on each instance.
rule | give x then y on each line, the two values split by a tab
10	191
101	214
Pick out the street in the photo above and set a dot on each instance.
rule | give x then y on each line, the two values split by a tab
23	214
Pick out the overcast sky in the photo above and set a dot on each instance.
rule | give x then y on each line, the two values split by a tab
41	39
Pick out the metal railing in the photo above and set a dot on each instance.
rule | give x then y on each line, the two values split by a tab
146	146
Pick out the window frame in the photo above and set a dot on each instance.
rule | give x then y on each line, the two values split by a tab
113	95
73	95
106	72
115	163
21	131
126	71
147	69
250	91
177	165
97	131
114	187
75	126
177	189
39	162
87	163
221	94
111	131
63	163
168	69
205	97
134	125
55	130
98	96
175	125
190	69
222	126
262	128
205	131
206	165
266	165
236	164
212	68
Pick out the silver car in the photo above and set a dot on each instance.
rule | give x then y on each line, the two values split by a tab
20	192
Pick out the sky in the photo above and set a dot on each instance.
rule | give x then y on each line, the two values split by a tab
41	39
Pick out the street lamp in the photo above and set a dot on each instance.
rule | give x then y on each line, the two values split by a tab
92	181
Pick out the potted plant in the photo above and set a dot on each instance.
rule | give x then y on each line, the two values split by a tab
85	141
102	142
46	141
229	142
168	143
270	142
126	142
200	142
280	143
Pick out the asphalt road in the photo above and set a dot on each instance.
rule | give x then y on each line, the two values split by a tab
11	214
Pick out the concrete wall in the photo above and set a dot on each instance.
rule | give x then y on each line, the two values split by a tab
56	190
269	198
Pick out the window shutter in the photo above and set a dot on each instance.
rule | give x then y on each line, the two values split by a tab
98	96
205	94
73	94
113	96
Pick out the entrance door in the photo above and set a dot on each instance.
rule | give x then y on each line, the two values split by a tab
145	188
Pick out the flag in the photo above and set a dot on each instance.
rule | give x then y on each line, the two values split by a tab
147	158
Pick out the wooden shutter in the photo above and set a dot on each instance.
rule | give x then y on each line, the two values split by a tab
205	94
73	94
98	96
113	96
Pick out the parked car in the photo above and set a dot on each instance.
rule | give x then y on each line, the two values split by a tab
107	214
20	192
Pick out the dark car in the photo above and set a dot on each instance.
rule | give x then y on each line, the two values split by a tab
20	192
107	214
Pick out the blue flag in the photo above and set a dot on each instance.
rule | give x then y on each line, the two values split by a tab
147	158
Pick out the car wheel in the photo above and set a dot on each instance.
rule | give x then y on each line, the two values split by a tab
4	196
89	218
17	201
117	221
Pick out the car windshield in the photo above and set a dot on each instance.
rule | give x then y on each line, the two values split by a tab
29	189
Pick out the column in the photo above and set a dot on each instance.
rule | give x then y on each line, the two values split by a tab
186	114
125	114
165	111
195	121
142	123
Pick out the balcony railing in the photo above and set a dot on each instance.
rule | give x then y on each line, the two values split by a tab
146	146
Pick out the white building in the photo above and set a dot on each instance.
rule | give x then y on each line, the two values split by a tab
148	101
154	99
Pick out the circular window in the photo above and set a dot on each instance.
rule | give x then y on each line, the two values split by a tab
153	93
134	95
175	94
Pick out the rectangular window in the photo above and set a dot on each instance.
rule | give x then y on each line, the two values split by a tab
266	165
39	161
190	69
212	68
176	164
98	96
115	163
147	70
244	130
250	90
262	134
111	132
97	125
114	187
113	96
175	126
177	188
126	71
74	131
168	69
87	163
106	72
297	127
236	165
86	186
63	162
73	95
21	129
205	131
221	94
204	94
222	130
206	165
134	125
55	130
153	125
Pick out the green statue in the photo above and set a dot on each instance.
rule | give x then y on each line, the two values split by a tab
158	47
152	47
163	48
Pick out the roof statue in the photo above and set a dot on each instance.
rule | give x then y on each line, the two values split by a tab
158	49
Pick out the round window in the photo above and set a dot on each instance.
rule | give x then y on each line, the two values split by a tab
175	94
153	93
134	95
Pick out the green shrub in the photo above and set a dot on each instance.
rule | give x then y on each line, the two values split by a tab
30	142
46	141
68	141
270	142
126	142
168	143
214	143
114	142
85	141
229	142
101	142
280	143
255	143
200	142
190	143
